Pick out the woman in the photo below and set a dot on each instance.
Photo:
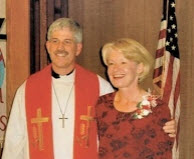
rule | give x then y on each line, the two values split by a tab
130	120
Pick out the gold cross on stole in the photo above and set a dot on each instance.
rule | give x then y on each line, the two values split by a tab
88	118
39	120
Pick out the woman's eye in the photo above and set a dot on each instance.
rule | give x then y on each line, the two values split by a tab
123	62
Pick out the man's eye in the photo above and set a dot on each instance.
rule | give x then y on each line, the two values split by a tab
67	41
110	63
54	40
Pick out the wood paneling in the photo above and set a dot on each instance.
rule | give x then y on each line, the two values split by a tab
27	24
43	30
17	60
185	12
43	13
105	20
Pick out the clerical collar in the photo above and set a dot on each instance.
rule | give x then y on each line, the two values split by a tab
56	75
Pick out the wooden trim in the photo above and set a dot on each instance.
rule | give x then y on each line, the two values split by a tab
18	46
43	31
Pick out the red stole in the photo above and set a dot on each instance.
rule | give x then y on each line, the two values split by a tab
38	99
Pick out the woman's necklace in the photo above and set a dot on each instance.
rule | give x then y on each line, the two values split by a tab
66	105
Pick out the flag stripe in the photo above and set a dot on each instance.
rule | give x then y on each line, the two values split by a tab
177	89
163	30
160	53
166	77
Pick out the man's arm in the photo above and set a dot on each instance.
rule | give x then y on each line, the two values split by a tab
105	86
15	146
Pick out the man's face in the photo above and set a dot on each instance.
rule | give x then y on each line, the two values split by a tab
63	50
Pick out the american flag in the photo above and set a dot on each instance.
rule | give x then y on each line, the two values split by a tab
166	77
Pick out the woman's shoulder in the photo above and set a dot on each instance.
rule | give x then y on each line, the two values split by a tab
106	99
108	96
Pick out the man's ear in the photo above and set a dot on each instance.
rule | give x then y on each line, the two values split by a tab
47	46
79	48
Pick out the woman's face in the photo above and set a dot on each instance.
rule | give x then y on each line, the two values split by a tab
122	72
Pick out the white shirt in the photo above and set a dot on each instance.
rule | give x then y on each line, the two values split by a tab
16	139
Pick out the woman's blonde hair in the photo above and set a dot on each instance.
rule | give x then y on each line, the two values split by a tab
131	50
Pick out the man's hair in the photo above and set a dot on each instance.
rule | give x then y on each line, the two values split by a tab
66	23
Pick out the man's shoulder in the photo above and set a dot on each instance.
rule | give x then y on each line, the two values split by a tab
40	74
105	86
85	70
85	74
102	80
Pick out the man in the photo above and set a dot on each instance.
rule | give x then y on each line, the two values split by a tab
52	115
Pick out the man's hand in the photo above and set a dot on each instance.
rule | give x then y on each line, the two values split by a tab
170	128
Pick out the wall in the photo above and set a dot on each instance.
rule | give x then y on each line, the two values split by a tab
186	42
106	20
18	29
3	115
